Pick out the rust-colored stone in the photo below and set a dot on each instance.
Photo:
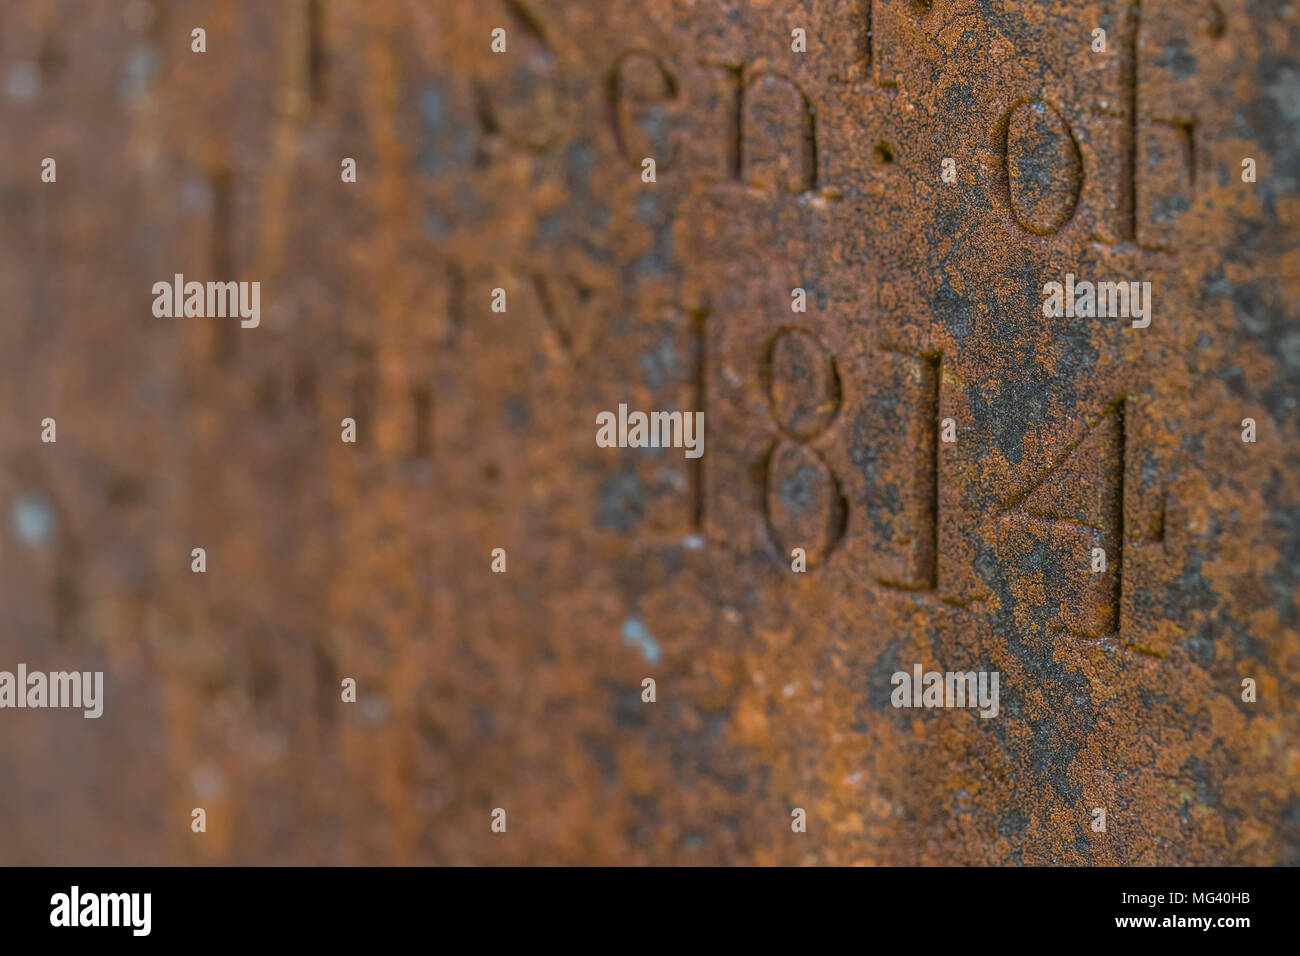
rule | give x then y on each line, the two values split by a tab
775	171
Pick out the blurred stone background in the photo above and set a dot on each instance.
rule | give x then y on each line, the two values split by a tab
775	170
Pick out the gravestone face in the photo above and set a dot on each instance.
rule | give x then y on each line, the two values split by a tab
1110	426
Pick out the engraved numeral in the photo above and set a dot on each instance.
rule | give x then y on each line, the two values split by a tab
1076	506
803	500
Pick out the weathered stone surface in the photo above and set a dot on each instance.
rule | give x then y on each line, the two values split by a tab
775	170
